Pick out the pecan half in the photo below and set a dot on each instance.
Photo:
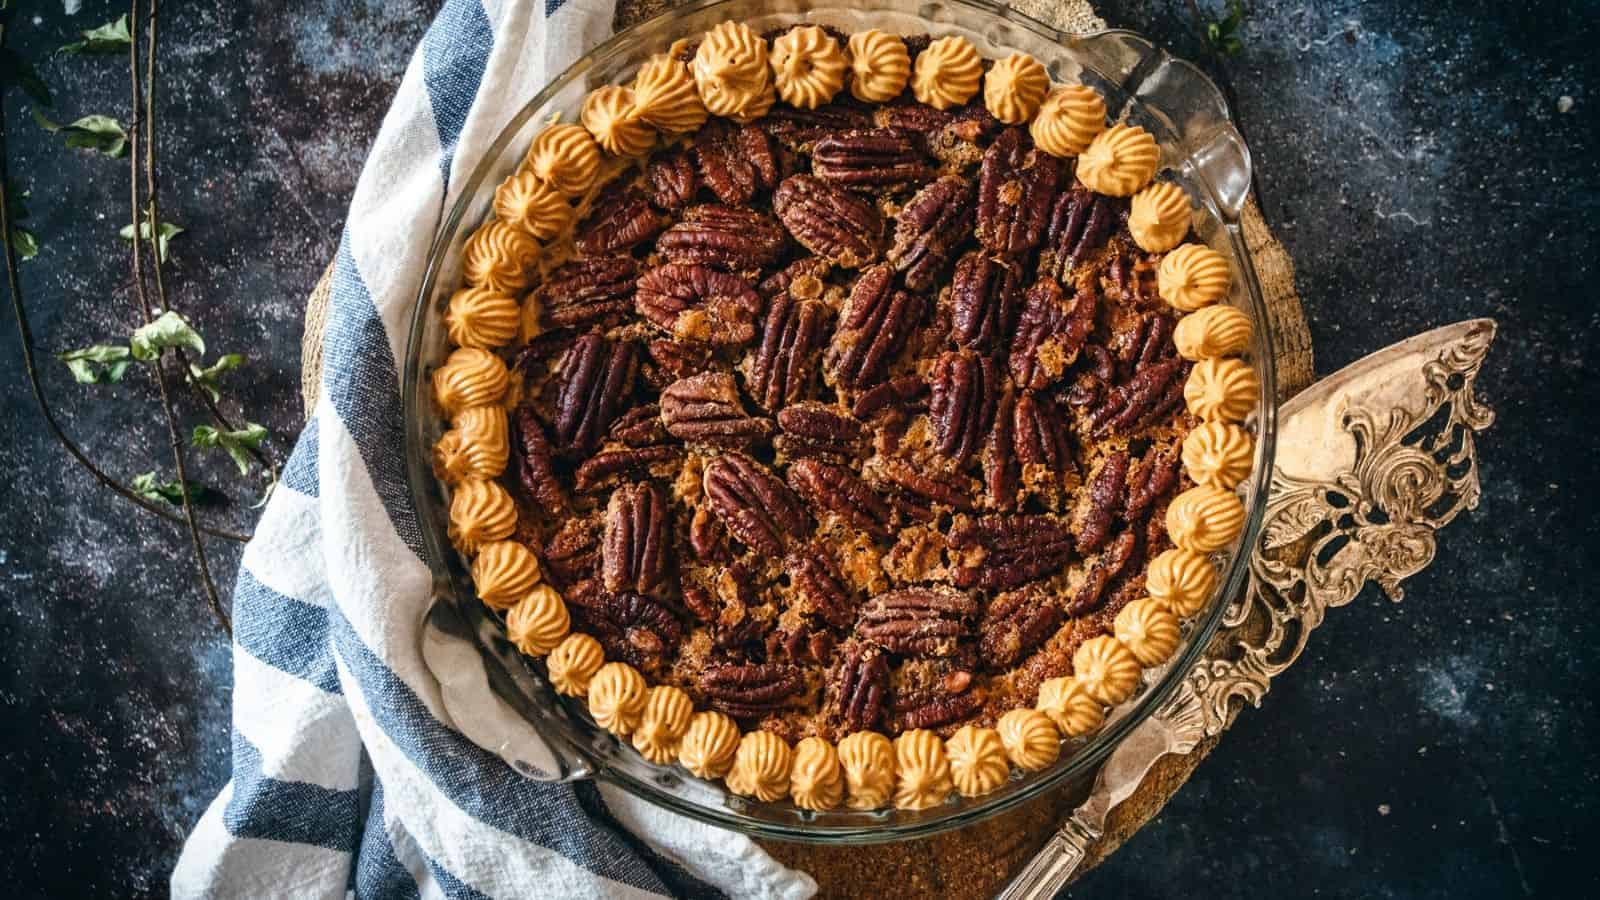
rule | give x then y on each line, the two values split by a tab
609	466
1041	445
1141	341
596	374
934	708
876	323
708	539
870	158
735	161
917	621
1132	274
921	492
928	228
984	301
535	463
1017	186
817	581
817	429
586	292
634	550
835	489
1155	478
640	427
831	222
1004	552
799	128
753	504
1080	223
1050	333
783	366
620	219
860	687
1016	624
1119	558
1146	397
1001	471
965	393
1102	499
672	181
738	239
706	408
900	394
905	114
750	691
636	629
698	303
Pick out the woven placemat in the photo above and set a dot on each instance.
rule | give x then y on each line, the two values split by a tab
977	860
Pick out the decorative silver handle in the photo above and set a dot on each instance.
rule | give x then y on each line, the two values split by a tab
1050	870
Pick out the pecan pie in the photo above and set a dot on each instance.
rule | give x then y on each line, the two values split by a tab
863	416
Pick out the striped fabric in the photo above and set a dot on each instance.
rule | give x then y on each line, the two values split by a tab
350	773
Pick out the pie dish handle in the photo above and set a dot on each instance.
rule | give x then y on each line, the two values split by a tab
1189	112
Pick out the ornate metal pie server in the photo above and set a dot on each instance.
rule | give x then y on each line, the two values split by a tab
1371	462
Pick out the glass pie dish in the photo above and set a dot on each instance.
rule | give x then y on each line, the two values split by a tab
1201	151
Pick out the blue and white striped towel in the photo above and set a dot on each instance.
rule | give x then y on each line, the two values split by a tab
350	774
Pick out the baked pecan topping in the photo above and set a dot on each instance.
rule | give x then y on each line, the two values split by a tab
736	162
1099	503
707	409
753	504
783	366
918	621
984	302
870	158
876	323
904	394
1079	225
750	691
640	427
818	582
933	708
801	278
672	360
1132	274
860	687
672	181
1016	189
1149	395
636	629
737	239
817	429
586	292
1001	471
635	547
1091	592
596	374
927	230
607	467
1050	333
829	488
831	222
799	128
1140	342
1039	436
698	303
573	553
1016	624
921	493
535	462
708	539
620	220
965	393
1000	552
1155	478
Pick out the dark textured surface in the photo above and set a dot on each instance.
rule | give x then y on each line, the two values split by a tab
1413	159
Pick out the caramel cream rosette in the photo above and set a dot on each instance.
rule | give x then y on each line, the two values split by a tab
1182	580
1149	630
1205	518
1212	332
1119	161
616	698
500	256
482	318
1014	88
1030	738
532	204
880	66
923	770
565	157
1070	705
1221	390
469	377
947	73
761	767
479	446
504	573
666	715
1069	120
708	746
1218	453
539	621
977	760
573	662
609	114
807	67
665	95
817	780
451	461
868	761
480	512
1193	276
1106	669
1158	217
730	71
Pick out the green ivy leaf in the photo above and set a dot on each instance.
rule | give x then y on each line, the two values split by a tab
168	330
15	69
100	364
23	241
101	133
155	491
209	377
1223	34
238	443
164	235
108	38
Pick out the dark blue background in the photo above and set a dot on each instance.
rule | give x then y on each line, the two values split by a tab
1412	157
